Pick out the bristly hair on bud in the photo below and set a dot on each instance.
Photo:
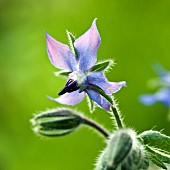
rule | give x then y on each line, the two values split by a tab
123	150
137	159
56	122
118	147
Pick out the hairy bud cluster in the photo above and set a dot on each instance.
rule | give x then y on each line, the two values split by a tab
123	150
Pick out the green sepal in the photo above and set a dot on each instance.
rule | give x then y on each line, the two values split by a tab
60	123
62	73
101	66
91	104
156	140
101	92
71	40
52	133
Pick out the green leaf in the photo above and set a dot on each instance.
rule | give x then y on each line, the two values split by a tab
160	155
155	158
105	65
71	40
101	92
62	73
158	147
157	162
157	140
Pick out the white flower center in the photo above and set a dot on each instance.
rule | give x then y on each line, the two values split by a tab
79	76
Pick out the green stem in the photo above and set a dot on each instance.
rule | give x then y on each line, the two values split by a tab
111	101
117	117
168	114
96	126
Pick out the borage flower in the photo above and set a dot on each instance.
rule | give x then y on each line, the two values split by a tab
84	75
163	84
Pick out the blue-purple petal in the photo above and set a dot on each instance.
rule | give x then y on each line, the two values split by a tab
72	98
163	96
60	55
100	100
99	79
87	46
147	99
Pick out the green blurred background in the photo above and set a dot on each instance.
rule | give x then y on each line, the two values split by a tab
135	34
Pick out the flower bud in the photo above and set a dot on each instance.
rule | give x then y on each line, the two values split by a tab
56	122
116	151
136	159
123	150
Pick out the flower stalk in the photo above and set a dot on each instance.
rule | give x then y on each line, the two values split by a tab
62	121
117	117
96	126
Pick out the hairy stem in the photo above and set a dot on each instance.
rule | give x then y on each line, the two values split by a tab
117	116
96	126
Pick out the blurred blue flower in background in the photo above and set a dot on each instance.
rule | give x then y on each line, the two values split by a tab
162	83
162	95
79	62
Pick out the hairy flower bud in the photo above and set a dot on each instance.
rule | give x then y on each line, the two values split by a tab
56	122
136	159
123	150
116	151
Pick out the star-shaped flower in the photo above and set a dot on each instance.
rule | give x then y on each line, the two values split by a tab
80	63
163	83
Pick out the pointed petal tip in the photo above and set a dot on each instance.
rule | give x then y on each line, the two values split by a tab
47	34
116	86
123	83
53	99
50	98
48	37
94	21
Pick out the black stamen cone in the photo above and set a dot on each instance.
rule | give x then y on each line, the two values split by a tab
70	86
63	91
